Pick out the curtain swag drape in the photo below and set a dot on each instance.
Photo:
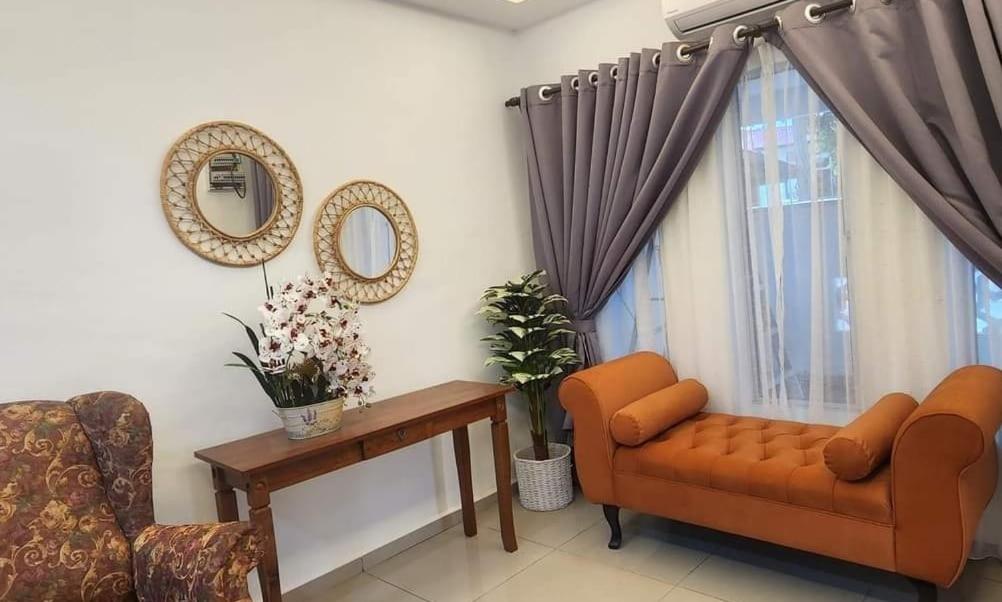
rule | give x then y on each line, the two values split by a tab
609	153
919	83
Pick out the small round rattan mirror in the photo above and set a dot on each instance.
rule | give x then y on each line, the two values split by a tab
231	194
365	238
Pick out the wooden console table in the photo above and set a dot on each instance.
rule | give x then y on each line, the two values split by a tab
270	461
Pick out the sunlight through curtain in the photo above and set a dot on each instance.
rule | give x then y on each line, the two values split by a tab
802	282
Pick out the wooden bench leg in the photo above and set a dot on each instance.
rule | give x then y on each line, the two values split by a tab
612	517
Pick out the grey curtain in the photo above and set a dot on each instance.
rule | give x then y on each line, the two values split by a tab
607	157
919	83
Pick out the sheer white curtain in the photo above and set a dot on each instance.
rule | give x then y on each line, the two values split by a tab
703	309
368	242
758	239
634	317
793	241
912	310
987	333
801	282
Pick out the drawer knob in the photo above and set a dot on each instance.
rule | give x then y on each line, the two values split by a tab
401	433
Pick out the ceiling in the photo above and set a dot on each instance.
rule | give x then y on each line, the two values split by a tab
498	13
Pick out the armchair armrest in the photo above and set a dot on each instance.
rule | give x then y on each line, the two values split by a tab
195	562
592	396
944	469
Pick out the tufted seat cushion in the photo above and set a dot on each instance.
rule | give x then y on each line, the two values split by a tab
776	460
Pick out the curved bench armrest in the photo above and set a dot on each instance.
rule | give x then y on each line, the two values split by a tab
944	470
592	396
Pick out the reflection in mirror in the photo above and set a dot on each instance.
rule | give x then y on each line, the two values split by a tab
367	242
235	193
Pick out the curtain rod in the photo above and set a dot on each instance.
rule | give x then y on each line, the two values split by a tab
749	32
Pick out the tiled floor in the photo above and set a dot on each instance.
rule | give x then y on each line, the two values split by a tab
563	556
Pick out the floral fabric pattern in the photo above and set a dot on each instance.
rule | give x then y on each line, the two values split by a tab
207	563
120	434
75	488
59	537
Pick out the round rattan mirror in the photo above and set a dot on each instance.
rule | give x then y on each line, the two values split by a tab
231	194
365	238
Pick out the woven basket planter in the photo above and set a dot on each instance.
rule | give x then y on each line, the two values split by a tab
544	485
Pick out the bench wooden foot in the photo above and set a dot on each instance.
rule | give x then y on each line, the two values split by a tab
612	517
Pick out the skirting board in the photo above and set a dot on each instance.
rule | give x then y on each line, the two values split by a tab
327	581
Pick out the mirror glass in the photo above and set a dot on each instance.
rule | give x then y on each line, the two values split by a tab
367	242
236	194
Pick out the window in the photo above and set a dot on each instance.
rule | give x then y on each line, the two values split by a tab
797	286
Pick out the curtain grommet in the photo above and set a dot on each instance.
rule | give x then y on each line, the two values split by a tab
544	94
738	35
656	60
683	55
575	83
852	7
779	22
593	78
809	13
614	72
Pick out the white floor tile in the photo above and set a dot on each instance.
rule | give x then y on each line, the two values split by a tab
975	585
652	547
548	528
660	560
680	594
451	567
745	580
895	588
365	588
983	590
562	576
990	568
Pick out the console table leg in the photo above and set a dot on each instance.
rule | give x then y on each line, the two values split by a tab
226	499
461	445
259	499
502	472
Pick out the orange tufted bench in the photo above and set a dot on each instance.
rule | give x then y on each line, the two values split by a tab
767	479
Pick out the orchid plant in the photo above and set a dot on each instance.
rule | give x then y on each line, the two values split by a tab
530	345
311	348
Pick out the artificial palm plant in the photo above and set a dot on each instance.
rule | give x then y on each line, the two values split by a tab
530	345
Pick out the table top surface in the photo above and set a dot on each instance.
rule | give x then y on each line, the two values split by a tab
266	450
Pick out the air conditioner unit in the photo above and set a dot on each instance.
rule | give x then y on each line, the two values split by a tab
690	19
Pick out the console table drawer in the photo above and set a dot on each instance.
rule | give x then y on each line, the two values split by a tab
401	437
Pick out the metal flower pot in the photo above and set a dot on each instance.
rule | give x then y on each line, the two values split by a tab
311	421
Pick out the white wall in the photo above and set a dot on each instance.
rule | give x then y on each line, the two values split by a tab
98	294
598	32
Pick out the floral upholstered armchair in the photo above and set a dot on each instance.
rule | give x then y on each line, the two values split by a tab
76	512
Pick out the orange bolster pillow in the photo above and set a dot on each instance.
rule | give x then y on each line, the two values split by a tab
865	443
653	414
